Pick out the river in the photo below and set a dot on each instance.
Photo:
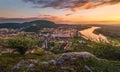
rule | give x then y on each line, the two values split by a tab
88	34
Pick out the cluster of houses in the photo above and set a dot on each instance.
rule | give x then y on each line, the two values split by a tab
49	36
61	33
5	32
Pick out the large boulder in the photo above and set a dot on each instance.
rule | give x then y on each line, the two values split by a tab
74	55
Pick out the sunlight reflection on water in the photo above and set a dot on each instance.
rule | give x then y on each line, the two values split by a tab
88	34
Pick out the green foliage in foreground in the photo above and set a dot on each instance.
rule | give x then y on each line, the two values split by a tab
22	44
108	52
7	61
101	49
98	65
78	65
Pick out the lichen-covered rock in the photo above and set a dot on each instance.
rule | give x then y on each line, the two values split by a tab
74	55
53	62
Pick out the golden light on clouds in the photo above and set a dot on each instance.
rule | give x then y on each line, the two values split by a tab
62	11
108	13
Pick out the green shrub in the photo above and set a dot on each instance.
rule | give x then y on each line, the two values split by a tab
22	44
40	51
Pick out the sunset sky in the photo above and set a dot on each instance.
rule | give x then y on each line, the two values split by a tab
61	11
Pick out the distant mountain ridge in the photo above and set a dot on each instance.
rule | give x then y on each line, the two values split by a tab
41	23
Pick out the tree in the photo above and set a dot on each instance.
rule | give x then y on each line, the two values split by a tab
22	44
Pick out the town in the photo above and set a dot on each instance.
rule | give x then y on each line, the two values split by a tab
49	38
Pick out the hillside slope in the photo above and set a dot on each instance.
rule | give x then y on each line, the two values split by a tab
41	23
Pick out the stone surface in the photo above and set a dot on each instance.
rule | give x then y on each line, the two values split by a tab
25	64
61	61
52	62
73	56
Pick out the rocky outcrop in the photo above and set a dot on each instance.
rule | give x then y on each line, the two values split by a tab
60	61
25	65
74	55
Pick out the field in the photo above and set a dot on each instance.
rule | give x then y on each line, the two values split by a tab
112	31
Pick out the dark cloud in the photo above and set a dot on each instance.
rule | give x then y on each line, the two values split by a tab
58	4
70	4
16	20
68	14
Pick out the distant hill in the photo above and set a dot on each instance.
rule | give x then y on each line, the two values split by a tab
32	29
41	23
10	25
29	26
